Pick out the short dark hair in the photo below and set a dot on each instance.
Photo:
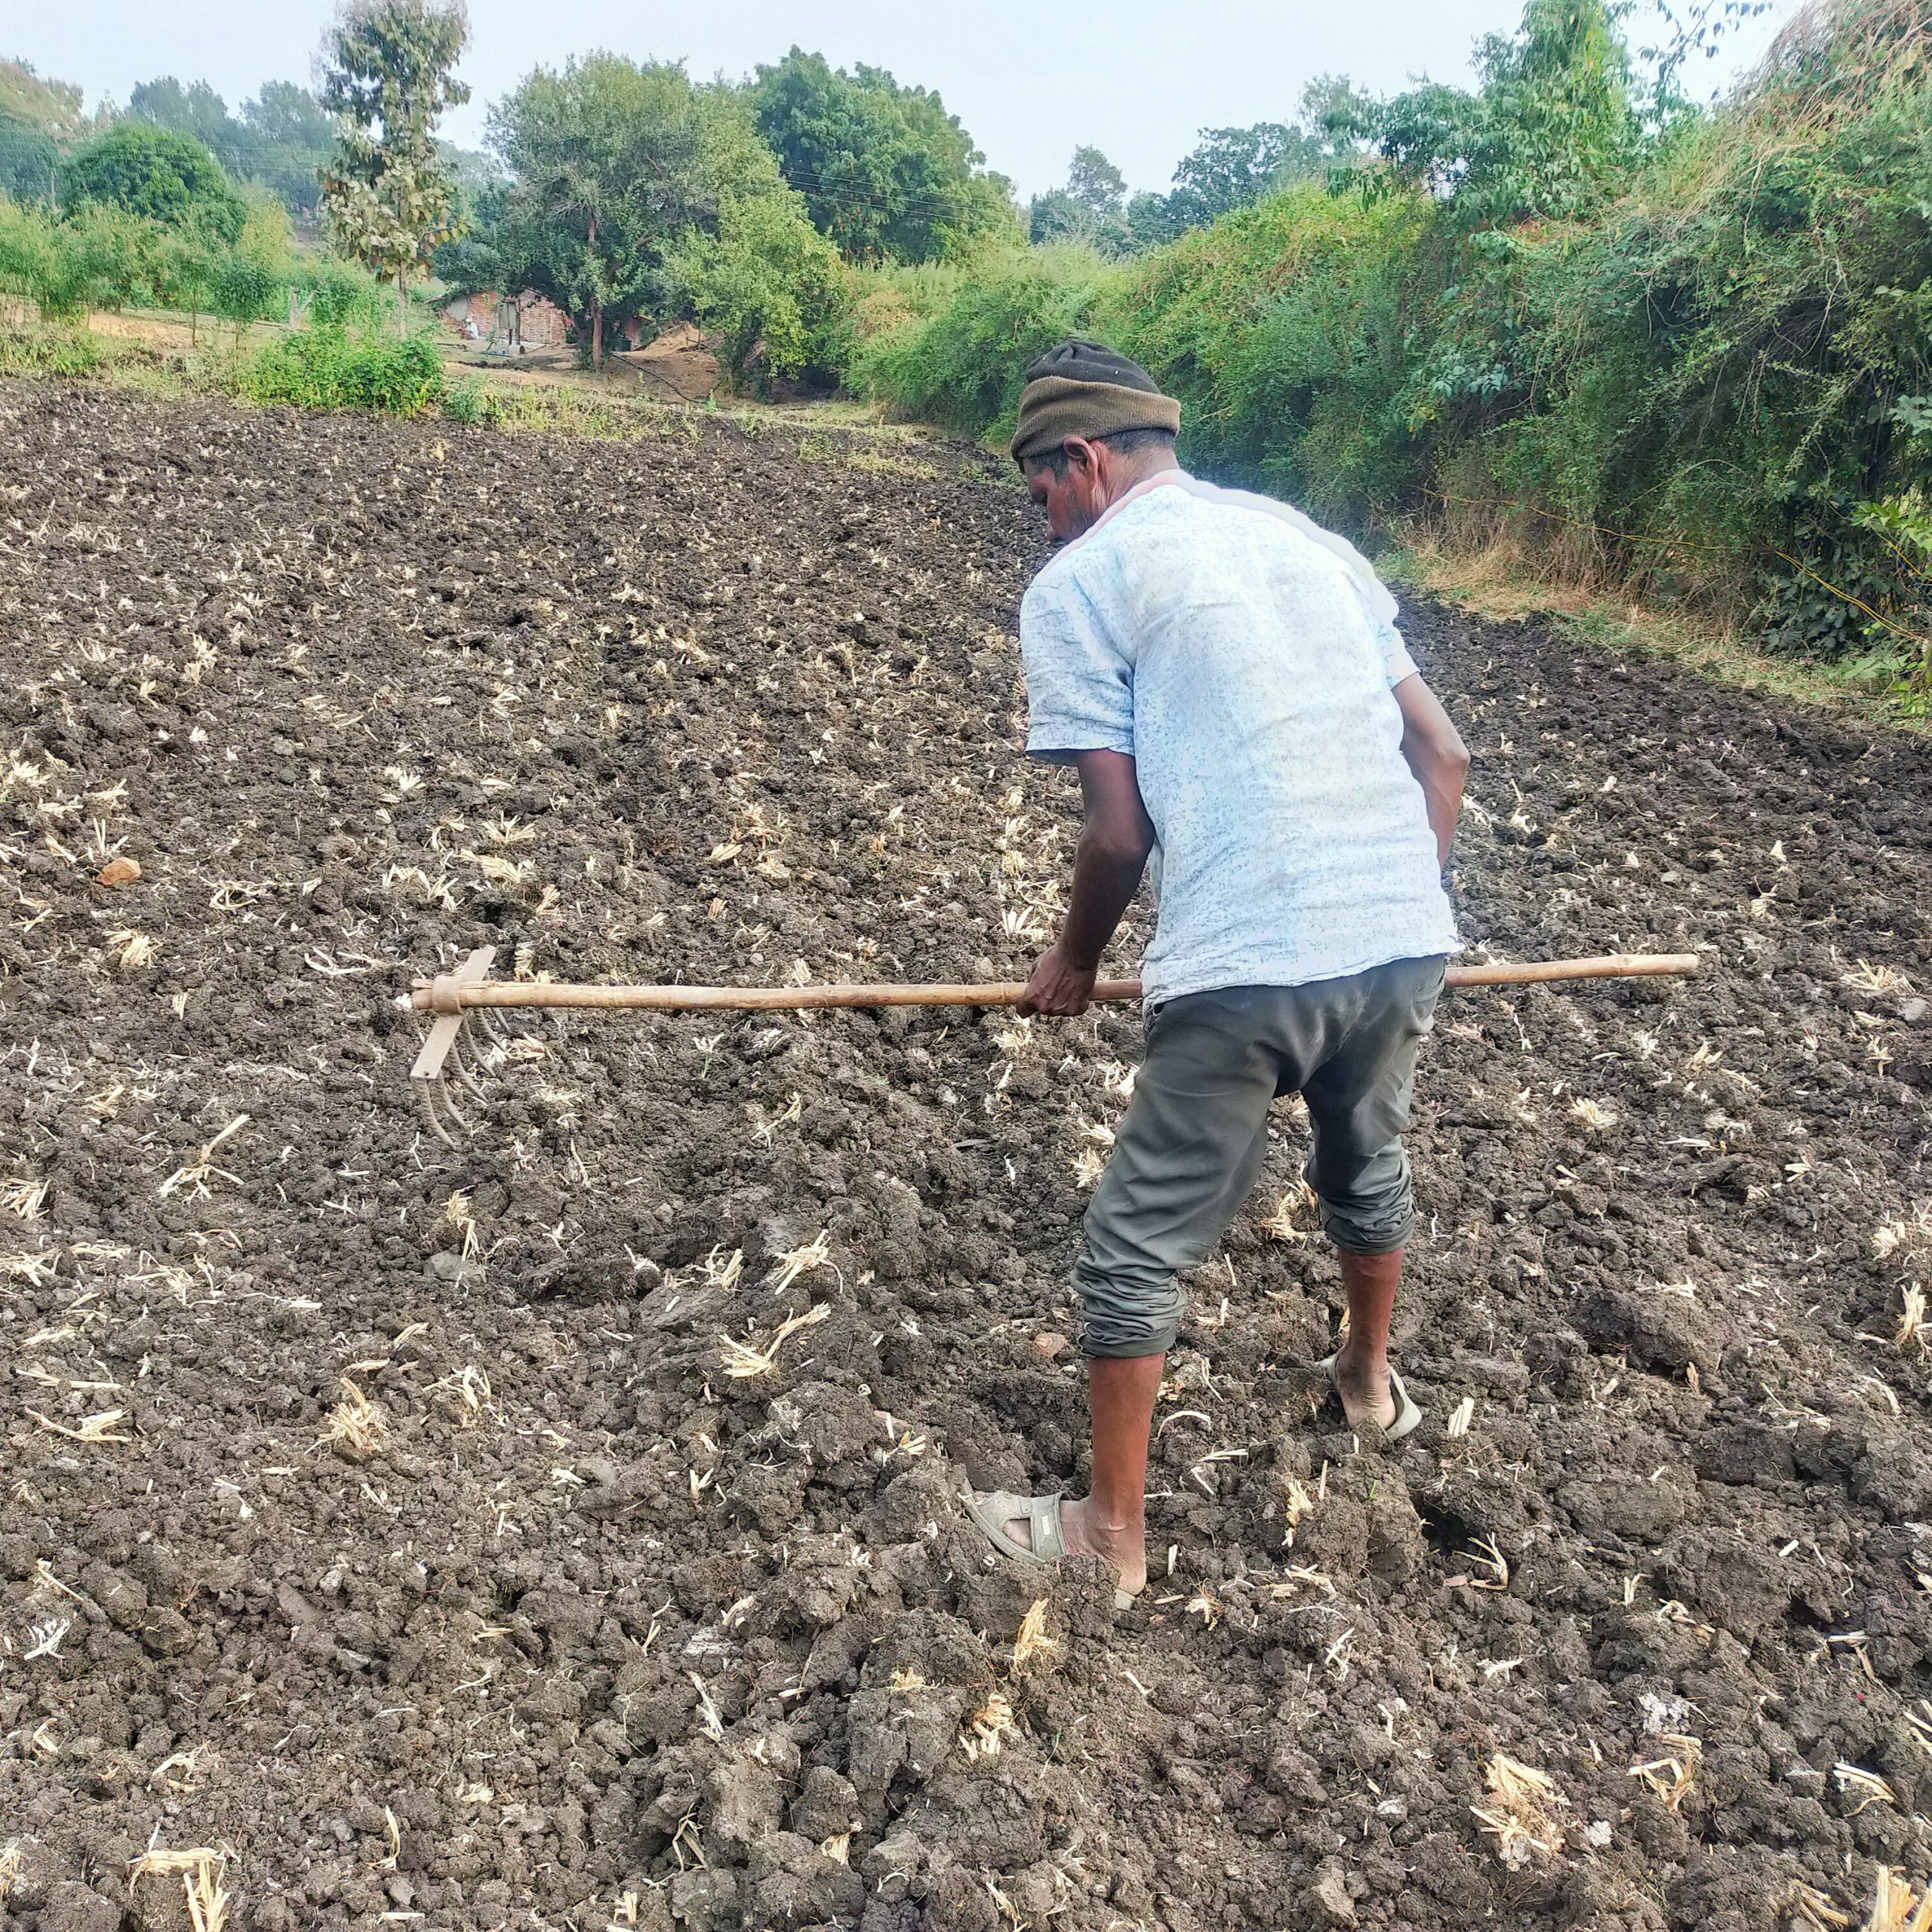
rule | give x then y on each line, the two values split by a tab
1126	442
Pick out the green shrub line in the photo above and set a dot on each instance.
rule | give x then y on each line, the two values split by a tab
1684	356
328	368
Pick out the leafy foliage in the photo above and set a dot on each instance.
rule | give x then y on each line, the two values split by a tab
324	368
885	171
1682	350
389	195
100	258
959	366
156	173
1090	211
635	189
769	286
282	140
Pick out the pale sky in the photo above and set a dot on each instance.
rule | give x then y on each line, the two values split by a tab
1137	79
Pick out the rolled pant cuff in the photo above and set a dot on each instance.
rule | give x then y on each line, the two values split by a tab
1366	1235
1114	1346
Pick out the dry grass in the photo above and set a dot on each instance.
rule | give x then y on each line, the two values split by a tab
1911	1331
90	1428
23	1197
787	1267
1495	573
1592	1115
130	950
1913	1234
1521	1815
200	1872
195	1175
742	1361
986	1730
1671	1778
1897	1905
1297	1502
1871	1787
471	1388
1032	1641
709	1716
355	1424
1491	1570
1866	978
1296	1215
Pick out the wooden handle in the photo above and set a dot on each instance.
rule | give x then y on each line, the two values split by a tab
1605	966
452	992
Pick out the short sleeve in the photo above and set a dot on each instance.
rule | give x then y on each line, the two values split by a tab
1079	683
1395	658
1379	610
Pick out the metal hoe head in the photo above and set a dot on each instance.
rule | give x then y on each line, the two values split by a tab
446	1053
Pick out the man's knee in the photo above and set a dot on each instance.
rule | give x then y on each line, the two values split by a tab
1124	1313
1369	1209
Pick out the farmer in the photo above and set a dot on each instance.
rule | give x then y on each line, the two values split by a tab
1228	680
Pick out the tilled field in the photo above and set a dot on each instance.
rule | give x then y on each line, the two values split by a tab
560	1531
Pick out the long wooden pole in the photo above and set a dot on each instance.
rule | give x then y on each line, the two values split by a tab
458	992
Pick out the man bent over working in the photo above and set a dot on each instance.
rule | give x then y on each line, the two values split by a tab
1228	679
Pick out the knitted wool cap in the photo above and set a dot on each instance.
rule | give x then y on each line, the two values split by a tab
1085	389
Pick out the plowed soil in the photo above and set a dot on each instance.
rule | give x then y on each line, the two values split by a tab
557	1529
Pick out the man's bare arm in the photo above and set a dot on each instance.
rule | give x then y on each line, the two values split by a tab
1437	756
1114	841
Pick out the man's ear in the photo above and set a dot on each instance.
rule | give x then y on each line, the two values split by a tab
1080	455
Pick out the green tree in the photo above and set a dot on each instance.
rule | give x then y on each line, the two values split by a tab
1552	133
886	173
40	121
194	109
387	76
155	172
769	286
1091	209
290	141
95	259
615	165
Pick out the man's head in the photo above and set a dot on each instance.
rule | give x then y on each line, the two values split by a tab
1092	424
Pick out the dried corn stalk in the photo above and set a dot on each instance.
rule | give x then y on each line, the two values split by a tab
1521	1815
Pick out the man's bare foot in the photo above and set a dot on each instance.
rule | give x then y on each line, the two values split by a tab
1367	1401
1123	1549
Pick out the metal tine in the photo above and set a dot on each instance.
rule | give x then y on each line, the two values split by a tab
428	1109
462	1058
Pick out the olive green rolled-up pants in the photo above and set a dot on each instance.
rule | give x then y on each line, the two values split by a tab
1195	1134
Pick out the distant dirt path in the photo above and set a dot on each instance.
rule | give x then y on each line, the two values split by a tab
394	1525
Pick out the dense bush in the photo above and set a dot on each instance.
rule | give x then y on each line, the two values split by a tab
157	173
959	365
769	286
335	294
324	368
100	258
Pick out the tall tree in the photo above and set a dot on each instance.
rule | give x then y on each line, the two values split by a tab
40	120
615	166
291	140
195	109
1550	134
387	76
886	173
1092	208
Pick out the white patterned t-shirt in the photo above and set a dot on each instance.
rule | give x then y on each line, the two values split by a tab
1245	658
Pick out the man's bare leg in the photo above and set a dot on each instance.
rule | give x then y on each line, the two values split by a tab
1361	1367
1111	1521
